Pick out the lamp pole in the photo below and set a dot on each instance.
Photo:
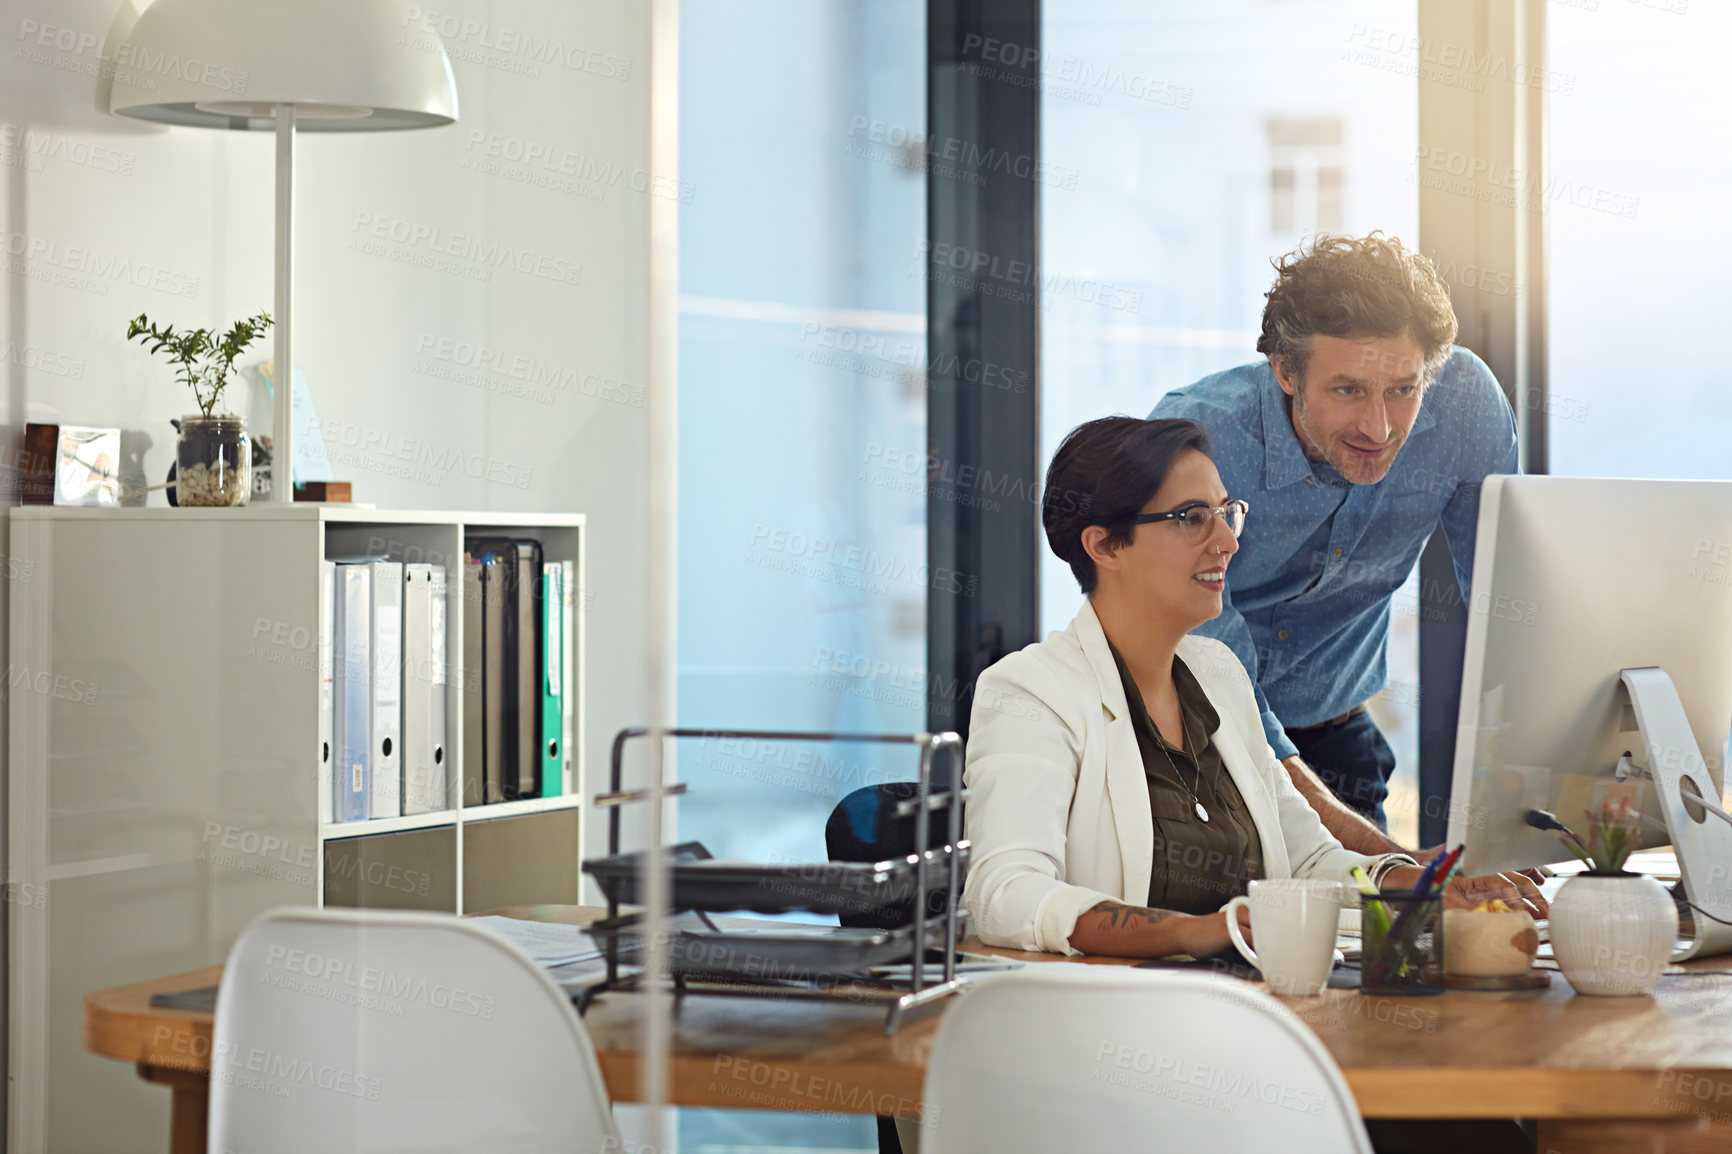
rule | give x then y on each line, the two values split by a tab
283	359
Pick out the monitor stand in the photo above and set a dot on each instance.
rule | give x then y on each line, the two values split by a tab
1701	831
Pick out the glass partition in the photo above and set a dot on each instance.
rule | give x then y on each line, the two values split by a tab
1207	140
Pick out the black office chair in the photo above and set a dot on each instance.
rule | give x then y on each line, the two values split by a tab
864	827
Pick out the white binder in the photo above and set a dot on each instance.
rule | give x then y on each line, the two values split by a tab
387	711
327	622
424	738
351	692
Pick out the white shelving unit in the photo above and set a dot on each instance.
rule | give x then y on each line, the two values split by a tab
163	770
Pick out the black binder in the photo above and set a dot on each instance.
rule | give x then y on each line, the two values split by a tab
511	645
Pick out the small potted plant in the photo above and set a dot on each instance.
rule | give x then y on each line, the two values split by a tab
1612	930
214	458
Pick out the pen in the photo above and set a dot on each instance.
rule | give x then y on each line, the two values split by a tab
1454	867
1429	872
1446	867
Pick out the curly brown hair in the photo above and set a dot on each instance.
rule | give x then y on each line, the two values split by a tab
1343	286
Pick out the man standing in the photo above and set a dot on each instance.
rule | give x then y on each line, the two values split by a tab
1362	431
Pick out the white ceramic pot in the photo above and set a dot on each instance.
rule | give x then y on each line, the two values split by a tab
1613	933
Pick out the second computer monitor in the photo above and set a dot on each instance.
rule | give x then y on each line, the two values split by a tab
1574	580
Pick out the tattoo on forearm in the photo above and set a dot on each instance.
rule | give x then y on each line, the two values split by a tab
1123	917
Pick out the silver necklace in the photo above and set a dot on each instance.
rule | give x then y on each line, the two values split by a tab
1185	730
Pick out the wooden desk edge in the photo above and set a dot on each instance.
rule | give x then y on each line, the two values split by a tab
121	1023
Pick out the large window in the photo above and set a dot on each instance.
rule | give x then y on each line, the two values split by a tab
1207	140
802	508
1638	244
802	404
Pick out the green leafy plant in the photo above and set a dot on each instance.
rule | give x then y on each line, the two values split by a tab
1611	836
202	359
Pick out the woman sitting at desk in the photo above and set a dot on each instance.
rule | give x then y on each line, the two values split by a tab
1121	788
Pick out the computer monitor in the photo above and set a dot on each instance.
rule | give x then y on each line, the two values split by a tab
1575	581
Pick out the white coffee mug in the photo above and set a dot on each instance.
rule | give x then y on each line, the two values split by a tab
1294	922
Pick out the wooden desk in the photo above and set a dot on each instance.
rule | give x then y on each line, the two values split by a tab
1601	1074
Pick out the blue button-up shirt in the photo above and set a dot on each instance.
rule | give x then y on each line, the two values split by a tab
1307	600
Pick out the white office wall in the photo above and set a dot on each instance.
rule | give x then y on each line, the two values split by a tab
103	218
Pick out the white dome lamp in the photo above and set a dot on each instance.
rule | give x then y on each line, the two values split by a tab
283	65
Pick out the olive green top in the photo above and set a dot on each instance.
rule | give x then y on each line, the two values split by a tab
1198	865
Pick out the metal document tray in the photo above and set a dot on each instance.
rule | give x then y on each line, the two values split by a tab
814	955
700	882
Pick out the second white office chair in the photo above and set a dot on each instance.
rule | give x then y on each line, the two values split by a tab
371	1032
1097	1058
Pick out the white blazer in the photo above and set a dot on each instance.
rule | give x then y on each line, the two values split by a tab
1058	812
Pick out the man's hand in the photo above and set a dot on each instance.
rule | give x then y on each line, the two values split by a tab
1517	890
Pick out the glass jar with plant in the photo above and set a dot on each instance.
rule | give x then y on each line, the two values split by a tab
214	456
1612	930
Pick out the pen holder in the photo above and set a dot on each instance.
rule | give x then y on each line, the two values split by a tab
1402	935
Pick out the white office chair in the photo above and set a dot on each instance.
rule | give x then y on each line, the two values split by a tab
1110	1058
370	1031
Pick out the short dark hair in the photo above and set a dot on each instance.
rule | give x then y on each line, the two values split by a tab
1103	474
1343	286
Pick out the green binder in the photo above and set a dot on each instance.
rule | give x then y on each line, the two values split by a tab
552	679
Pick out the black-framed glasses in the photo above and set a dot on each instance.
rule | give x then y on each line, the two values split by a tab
1196	519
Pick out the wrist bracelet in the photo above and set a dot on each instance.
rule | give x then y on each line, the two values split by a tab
1382	869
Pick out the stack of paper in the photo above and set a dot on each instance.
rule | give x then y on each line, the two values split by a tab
548	943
